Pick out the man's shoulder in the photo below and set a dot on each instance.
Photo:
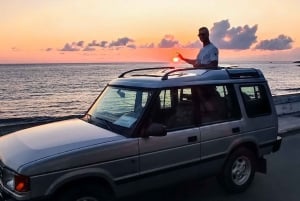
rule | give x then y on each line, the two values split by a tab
212	46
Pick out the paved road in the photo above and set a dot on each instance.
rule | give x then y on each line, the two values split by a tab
281	183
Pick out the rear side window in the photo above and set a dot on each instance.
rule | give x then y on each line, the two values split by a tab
216	103
255	100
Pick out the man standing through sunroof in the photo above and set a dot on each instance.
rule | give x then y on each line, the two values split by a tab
208	56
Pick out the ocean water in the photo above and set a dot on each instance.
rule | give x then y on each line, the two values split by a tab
38	92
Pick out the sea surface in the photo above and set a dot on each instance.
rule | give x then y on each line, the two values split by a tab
42	92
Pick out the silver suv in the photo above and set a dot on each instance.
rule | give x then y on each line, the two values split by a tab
148	128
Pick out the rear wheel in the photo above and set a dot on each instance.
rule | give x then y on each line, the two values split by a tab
239	170
84	193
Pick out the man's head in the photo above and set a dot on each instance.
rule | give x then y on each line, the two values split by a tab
203	35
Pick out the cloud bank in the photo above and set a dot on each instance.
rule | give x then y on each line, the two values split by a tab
91	46
121	42
282	42
70	47
240	38
222	34
168	42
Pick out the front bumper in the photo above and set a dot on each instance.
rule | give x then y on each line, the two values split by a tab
277	144
4	196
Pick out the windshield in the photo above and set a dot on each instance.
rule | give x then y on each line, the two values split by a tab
118	109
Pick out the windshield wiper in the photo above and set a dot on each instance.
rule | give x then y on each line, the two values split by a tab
91	119
105	122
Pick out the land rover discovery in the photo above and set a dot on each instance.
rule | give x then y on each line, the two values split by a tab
149	128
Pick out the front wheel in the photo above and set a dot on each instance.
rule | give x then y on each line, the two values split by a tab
84	193
239	170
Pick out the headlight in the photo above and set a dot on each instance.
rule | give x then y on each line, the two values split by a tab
15	182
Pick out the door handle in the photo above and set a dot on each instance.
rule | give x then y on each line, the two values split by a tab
192	139
236	130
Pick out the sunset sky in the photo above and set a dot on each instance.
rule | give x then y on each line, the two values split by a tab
50	31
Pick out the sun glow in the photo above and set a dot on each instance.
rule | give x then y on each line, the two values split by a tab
175	59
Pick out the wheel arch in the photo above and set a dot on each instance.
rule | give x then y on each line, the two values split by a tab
252	146
249	144
91	176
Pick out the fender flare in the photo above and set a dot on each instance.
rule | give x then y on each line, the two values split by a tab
78	175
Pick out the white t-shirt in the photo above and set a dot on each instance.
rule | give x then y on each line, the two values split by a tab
208	54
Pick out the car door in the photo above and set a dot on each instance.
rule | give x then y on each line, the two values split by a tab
179	151
260	115
221	123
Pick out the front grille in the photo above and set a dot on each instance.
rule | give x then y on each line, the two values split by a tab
1	173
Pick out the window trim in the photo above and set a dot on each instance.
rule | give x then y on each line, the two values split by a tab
264	97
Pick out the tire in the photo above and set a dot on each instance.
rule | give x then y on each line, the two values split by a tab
238	171
84	193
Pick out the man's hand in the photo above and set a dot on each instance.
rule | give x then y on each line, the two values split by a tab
180	56
189	61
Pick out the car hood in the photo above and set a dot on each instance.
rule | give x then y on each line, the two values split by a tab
22	147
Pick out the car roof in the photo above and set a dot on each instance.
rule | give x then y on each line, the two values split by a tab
162	77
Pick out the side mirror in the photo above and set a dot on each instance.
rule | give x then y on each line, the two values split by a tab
156	129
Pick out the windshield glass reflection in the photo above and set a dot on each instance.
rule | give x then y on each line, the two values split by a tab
118	109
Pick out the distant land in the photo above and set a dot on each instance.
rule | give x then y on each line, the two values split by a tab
297	62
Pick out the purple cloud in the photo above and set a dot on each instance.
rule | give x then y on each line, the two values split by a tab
103	43
168	42
93	44
121	42
282	42
239	37
80	43
70	47
131	46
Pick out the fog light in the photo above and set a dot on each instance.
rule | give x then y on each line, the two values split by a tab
22	183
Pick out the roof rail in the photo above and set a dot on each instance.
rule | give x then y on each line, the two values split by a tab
165	77
145	69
